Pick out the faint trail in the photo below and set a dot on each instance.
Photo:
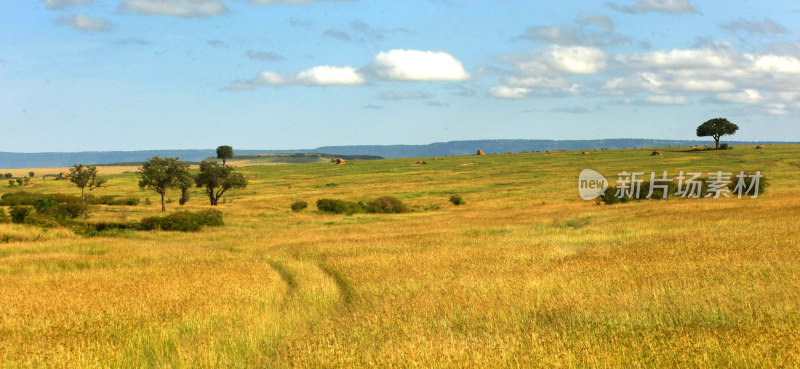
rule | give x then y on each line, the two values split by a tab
287	276
345	289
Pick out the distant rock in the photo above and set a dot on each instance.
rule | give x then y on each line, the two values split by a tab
656	153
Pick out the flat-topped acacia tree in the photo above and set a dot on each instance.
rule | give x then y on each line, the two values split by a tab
716	128
160	174
224	152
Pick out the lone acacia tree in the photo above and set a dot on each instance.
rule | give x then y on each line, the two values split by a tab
216	179
160	174
716	128
85	177
224	152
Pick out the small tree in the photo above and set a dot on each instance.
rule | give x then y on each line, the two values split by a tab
160	174
224	152
31	174
216	179
85	177
185	182
9	175
716	128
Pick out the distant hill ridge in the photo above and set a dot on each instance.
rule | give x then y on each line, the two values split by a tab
12	160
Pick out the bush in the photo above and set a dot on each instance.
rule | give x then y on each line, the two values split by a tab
724	146
4	217
457	200
45	205
299	205
19	213
68	211
609	198
339	206
762	183
184	221
150	223
386	205
211	217
41	220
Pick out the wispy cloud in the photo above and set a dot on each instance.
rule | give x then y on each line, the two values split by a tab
412	95
762	27
661	6
84	23
339	35
264	55
61	4
176	8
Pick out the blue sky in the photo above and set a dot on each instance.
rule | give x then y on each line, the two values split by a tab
81	75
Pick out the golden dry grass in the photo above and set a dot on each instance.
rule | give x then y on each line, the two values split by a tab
523	275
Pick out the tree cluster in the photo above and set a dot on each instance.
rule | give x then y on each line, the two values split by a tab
161	174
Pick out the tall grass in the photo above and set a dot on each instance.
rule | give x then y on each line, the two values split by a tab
525	274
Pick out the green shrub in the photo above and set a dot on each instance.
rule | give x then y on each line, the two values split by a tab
609	196
457	200
45	205
68	211
211	217
724	146
150	223
762	183
41	220
4	218
386	205
339	206
19	213
184	221
299	205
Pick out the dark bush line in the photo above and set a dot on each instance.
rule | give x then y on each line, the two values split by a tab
381	205
609	196
29	198
184	221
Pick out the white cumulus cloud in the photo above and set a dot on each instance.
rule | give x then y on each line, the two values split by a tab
775	64
328	75
506	92
684	58
748	96
415	65
667	99
576	59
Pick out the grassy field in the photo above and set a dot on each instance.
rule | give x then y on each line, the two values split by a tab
525	274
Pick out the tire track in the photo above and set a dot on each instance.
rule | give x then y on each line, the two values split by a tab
345	288
286	275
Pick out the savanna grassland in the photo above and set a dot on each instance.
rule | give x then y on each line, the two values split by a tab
525	274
